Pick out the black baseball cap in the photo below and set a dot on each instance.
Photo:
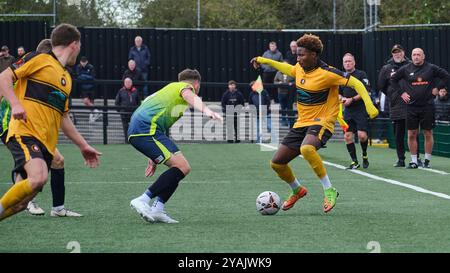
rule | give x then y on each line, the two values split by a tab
397	47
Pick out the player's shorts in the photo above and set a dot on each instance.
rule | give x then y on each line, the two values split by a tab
295	136
25	148
420	115
157	147
357	121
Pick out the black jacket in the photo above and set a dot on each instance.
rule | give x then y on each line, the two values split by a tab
442	106
127	98
134	75
232	98
348	92
419	82
265	100
397	105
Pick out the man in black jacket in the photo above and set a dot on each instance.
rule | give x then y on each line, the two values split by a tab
397	105
232	97
127	96
418	94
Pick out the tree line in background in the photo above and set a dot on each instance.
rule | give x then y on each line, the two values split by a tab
240	14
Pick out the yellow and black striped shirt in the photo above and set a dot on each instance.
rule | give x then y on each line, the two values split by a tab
43	88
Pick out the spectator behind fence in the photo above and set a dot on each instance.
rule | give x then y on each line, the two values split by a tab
5	59
397	109
134	74
418	94
270	72
140	53
265	107
442	104
284	96
20	52
291	54
86	72
127	96
234	98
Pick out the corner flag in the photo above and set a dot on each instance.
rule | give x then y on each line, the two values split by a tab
258	85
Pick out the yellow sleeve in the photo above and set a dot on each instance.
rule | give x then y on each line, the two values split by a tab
362	91
29	67
285	68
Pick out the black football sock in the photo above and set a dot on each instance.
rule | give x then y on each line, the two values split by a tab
166	184
364	147
352	151
57	186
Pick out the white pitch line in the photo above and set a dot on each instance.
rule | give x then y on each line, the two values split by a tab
433	171
376	177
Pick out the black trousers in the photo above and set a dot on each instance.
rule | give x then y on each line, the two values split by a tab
125	123
268	77
399	132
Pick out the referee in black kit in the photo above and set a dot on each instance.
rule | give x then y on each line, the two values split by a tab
355	113
419	98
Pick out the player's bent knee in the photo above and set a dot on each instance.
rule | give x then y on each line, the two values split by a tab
37	182
277	167
306	150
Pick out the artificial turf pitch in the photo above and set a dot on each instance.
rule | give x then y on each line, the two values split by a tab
215	205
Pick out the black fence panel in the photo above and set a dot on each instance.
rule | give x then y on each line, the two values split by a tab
223	55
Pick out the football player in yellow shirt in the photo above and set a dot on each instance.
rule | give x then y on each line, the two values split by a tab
39	107
318	107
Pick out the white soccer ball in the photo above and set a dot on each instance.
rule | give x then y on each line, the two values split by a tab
268	203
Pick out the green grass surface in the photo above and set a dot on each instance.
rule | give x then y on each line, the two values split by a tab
215	205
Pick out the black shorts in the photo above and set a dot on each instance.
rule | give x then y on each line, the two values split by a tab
357	121
420	115
295	136
25	148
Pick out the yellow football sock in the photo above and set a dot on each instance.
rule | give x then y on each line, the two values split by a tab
16	194
7	213
309	153
284	171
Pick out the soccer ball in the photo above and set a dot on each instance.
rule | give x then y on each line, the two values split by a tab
268	203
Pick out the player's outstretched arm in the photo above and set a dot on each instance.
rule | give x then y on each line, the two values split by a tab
362	91
7	91
283	67
196	102
91	156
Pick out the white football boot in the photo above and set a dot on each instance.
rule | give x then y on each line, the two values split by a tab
34	209
64	213
161	216
143	209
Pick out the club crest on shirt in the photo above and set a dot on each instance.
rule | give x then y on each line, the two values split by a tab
302	81
35	148
63	82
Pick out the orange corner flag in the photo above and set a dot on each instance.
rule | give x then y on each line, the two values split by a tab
341	120
258	85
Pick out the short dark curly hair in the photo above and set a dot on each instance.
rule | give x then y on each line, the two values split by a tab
311	42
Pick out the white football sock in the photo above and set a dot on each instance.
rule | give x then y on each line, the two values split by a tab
145	198
294	185
326	184
414	158
428	156
58	208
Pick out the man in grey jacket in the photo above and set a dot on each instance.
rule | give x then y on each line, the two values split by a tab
270	72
